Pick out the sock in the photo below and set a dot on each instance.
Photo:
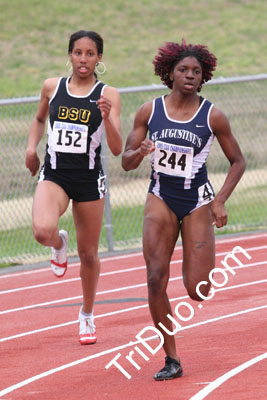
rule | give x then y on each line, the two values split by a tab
86	314
63	245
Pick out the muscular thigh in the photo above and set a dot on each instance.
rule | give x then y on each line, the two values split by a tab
160	232
198	246
49	203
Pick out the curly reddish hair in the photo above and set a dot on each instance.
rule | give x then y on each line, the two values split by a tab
169	55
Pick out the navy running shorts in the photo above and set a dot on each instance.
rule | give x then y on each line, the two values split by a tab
181	201
80	185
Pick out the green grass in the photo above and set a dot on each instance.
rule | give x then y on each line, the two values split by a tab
8	264
34	38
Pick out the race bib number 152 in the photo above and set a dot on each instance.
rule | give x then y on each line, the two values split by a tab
172	159
69	138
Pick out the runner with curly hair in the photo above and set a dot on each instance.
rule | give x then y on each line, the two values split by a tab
182	126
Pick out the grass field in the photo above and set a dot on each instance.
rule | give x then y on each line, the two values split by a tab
34	38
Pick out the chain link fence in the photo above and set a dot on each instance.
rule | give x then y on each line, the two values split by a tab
243	100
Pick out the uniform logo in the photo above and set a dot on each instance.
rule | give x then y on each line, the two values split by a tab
181	134
74	114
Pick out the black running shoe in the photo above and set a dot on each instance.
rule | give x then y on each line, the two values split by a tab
172	369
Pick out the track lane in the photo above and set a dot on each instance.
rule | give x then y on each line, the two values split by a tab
122	327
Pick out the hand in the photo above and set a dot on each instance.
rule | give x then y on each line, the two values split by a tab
219	214
104	106
32	162
146	147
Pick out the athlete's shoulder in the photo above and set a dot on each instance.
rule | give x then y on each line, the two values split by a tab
113	95
110	90
218	120
146	107
144	112
204	100
51	83
49	86
217	113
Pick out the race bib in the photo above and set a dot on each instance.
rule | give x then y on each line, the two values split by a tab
205	193
172	159
69	138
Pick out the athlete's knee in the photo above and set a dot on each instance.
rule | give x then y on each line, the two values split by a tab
43	234
197	291
193	295
88	259
157	281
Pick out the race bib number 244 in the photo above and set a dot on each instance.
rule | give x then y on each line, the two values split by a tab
172	159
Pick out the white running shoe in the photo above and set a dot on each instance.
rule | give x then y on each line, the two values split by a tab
87	329
59	257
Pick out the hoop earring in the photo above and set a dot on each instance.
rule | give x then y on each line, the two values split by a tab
103	66
67	64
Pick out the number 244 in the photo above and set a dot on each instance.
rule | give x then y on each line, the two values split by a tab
172	160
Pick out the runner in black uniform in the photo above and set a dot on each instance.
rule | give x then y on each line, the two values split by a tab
75	128
181	128
80	107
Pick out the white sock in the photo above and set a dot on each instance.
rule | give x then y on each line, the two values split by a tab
63	245
86	314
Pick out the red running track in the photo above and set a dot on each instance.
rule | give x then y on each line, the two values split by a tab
222	345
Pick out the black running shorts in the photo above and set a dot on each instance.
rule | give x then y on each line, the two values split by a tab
80	185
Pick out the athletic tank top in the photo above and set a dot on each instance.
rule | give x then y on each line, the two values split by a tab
75	128
182	147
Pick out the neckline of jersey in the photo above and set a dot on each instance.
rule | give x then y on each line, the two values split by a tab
176	120
77	96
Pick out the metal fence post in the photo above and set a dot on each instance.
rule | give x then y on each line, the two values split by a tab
107	211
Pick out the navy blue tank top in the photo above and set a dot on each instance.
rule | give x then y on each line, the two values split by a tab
182	146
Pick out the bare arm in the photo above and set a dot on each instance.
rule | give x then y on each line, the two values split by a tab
38	125
137	145
221	128
110	107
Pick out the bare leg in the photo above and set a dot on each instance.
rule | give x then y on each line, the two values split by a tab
160	233
88	221
198	250
49	203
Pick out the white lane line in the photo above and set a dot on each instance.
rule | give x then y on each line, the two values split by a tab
122	311
71	323
219	381
76	297
111	273
119	271
242	238
260	263
105	352
131	255
73	265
